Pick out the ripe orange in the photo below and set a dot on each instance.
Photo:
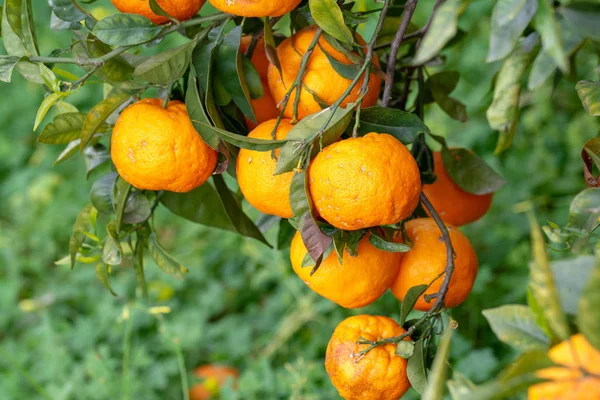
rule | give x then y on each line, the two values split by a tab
455	206
427	259
357	282
380	374
578	377
363	182
214	377
266	192
264	107
320	79
256	8
178	9
156	148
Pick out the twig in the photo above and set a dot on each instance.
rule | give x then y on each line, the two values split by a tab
409	9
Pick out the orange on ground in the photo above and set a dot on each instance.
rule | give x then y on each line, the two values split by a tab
363	182
178	9
455	206
426	260
256	8
320	79
357	282
214	377
264	107
380	374
266	192
577	377
156	148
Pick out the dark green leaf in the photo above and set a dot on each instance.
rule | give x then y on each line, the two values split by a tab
64	129
589	93
410	299
588	317
243	142
442	29
137	209
112	253
271	46
102	193
348	71
197	113
328	15
415	368
81	226
164	260
166	67
441	85
139	264
157	9
252	79
117	69
550	32
298	199
94	156
509	20
515	325
120	193
125	30
437	376
470	172
402	125
98	115
66	10
583	18
382	244
285	234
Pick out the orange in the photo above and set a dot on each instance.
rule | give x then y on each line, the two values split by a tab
264	107
356	282
454	205
156	148
214	377
380	374
178	9
320	78
256	8
577	377
363	182
266	192
426	260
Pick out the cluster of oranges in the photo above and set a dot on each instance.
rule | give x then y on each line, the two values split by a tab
355	183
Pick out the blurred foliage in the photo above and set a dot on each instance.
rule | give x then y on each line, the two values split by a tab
62	336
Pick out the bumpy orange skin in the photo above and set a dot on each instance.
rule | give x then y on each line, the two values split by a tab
265	191
156	148
320	77
363	182
214	376
427	259
264	107
355	283
380	374
178	9
256	8
568	381
454	205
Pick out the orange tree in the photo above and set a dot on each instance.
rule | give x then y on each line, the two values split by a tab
353	178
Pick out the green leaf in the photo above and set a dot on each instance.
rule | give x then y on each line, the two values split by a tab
64	129
81	226
305	132
583	18
157	9
243	142
271	46
139	264
584	211
543	286
538	313
571	275
7	64
415	368
125	30
47	103
442	29
470	172
103	275
121	192
515	325
49	78
252	79
115	70
112	253
503	113
102	193
459	386
441	85
95	156
589	93
285	234
437	376
299	199
66	10
164	260
405	348
197	113
550	32
410	299
509	20
328	15
402	125
243	224
382	244
348	71
588	317
166	67
97	116
137	209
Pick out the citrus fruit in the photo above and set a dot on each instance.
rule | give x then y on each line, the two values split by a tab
577	377
454	205
380	374
426	260
178	9
214	377
264	107
156	148
320	80
363	182
256	8
268	193
356	282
